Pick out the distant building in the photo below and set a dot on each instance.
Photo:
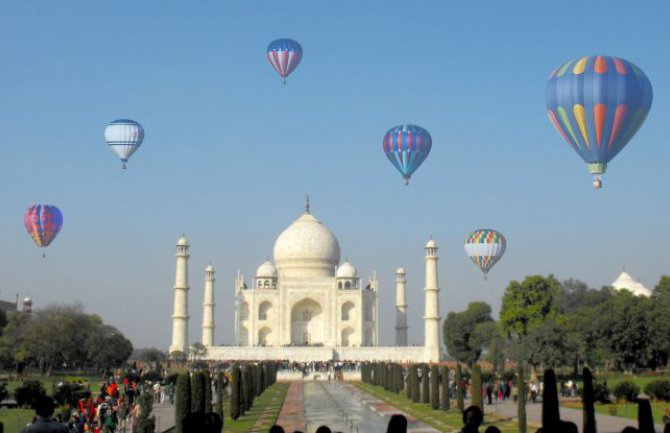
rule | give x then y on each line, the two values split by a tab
625	282
10	307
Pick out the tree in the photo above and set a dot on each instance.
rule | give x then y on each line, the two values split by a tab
183	403
198	392
146	422
527	305
463	341
245	389
521	398
108	348
208	391
197	351
477	397
459	388
434	387
446	404
425	384
414	383
546	345
218	407
663	286
149	355
235	397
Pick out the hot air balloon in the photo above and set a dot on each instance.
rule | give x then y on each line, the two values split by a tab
284	56
124	137
597	104
485	247
43	223
407	146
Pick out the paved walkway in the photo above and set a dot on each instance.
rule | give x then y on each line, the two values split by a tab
605	423
292	415
164	413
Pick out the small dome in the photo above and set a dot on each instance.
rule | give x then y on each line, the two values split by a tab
431	244
209	268
182	241
626	282
400	270
266	270
27	300
307	248
347	270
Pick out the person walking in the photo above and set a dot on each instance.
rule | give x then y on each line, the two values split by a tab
44	408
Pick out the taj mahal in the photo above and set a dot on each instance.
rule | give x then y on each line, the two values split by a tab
307	306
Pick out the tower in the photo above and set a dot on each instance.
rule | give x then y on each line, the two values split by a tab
400	308
208	308
180	312
432	316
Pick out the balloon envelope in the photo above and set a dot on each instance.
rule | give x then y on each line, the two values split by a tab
485	247
597	104
284	55
124	137
407	146
43	223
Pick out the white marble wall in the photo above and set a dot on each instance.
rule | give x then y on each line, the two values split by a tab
308	354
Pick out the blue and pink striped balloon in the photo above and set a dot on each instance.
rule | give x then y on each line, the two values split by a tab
284	56
407	146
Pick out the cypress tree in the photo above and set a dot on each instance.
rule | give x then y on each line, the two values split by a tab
146	422
246	391
408	380
425	384
198	392
414	383
459	388
183	404
445	389
208	391
588	401
521	398
261	378
218	407
434	387
477	397
235	397
385	376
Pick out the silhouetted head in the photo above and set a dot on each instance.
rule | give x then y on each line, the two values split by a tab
629	429
667	428
44	406
568	427
323	429
276	429
214	422
472	418
492	429
195	422
397	424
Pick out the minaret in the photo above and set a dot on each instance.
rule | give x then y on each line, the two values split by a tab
180	313
400	308
432	316
208	308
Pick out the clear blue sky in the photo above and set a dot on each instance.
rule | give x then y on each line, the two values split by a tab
230	152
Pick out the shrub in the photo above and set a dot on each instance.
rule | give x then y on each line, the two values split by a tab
235	397
70	393
658	390
146	422
434	387
198	392
3	391
477	398
626	391
27	393
601	392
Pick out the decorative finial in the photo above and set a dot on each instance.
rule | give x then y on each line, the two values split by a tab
307	204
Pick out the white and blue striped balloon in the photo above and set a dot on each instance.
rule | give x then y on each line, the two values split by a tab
124	137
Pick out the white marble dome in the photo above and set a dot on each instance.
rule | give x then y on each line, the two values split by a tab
346	270
266	270
182	241
307	248
625	282
400	270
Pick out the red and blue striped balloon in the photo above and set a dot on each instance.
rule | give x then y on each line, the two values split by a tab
284	56
407	146
597	104
43	223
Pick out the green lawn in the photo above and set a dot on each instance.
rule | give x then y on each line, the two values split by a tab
624	410
450	421
262	415
15	419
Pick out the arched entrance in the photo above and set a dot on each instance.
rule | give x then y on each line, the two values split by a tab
306	323
264	336
347	337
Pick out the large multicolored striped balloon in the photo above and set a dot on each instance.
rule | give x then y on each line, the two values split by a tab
124	137
43	223
284	56
407	146
597	104
485	247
